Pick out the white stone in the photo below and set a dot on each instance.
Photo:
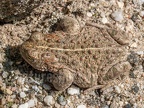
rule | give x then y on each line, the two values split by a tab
22	94
118	15
117	89
31	103
121	103
122	86
92	5
49	100
120	4
36	88
20	81
9	91
141	1
14	106
134	45
140	52
61	100
106	106
5	74
25	89
104	20
73	90
25	105
135	105
81	106
141	13
89	14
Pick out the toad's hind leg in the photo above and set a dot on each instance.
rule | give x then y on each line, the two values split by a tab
121	68
118	35
61	80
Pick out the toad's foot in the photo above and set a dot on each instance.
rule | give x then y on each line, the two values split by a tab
61	80
93	88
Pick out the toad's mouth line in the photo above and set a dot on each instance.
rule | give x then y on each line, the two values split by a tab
80	49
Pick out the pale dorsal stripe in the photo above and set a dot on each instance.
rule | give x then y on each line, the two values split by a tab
78	49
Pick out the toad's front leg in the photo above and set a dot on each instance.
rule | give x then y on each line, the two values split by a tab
121	68
62	79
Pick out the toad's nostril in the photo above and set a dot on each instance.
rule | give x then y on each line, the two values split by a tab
49	75
55	75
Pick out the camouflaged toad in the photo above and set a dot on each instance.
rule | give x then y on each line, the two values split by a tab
88	57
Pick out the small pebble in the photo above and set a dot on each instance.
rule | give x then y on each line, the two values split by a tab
49	100
5	74
14	106
121	103
108	102
35	88
104	20
135	105
22	94
105	106
120	4
141	13
20	81
1	66
92	5
133	58
128	106
31	103
2	101
62	100
25	105
8	91
73	90
117	89
140	52
81	106
25	89
117	16
135	89
134	45
141	1
89	14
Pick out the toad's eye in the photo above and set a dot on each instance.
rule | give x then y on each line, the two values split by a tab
33	53
46	55
49	57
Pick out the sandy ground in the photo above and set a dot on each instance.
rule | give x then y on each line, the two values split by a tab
18	78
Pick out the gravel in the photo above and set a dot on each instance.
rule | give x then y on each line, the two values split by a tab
118	15
62	100
73	90
49	100
127	106
135	89
21	86
31	103
25	105
22	94
5	74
